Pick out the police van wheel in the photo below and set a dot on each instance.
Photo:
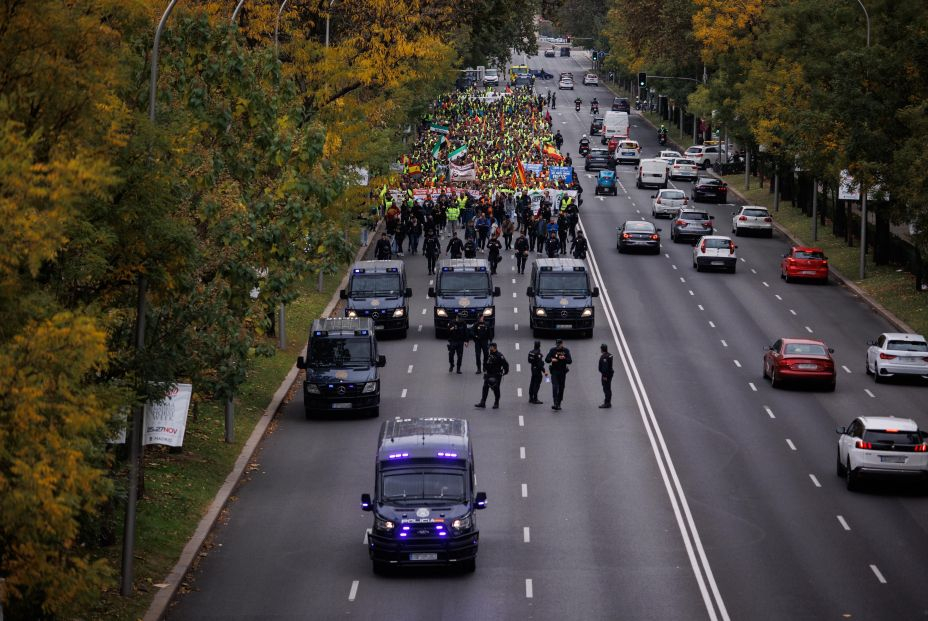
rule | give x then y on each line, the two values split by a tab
469	566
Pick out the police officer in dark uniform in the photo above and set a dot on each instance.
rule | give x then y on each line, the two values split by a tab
470	249
494	248
457	341
431	248
495	367
579	246
522	247
606	371
383	251
536	363
455	246
480	333
558	357
552	245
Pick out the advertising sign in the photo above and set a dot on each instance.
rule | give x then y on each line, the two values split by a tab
166	421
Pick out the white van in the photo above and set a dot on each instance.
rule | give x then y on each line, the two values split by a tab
652	173
615	124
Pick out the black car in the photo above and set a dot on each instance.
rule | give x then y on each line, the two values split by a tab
710	188
596	126
565	51
638	235
620	104
599	159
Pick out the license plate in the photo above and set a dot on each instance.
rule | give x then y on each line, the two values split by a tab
718	263
808	272
892	459
563	326
807	367
341	406
379	327
424	556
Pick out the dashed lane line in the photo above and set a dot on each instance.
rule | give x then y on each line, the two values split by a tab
691	292
521	452
518	367
415	347
409	370
682	279
815	480
517	345
526	535
353	592
519	392
878	574
528	588
753	387
367	533
711	325
764	282
792	312
525	490
515	309
419	329
808	329
843	523
777	296
699	306
769	411
724	344
737	363
403	394
869	394
789	443
521	421
423	311
753	271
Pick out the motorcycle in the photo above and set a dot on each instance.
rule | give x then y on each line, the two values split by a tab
584	148
637	104
662	139
577	106
594	109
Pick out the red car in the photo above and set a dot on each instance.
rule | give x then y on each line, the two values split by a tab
802	262
800	360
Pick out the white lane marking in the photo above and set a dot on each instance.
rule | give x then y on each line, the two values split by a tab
699	562
515	309
843	523
517	345
415	347
769	411
790	444
737	364
516	327
792	312
513	281
420	328
366	533
724	344
521	452
518	368
682	279
666	255
753	271
354	591
514	294
521	421
519	392
876	572
423	311
525	490
526	535
711	325
777	296
699	306
815	481
846	370
409	370
743	260
431	281
403	395
753	387
869	394
528	588
691	292
764	282
674	266
808	329
513	268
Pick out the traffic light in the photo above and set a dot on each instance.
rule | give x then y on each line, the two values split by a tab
642	80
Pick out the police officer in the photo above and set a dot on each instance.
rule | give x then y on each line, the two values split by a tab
579	246
494	248
536	362
431	248
383	251
558	358
522	247
606	371
457	341
480	333
455	246
552	245
495	367
470	248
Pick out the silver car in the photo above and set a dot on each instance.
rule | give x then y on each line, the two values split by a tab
691	224
715	252
752	218
897	353
666	203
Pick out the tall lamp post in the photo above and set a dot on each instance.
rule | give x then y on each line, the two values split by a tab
238	7
863	189
283	5
327	16
135	442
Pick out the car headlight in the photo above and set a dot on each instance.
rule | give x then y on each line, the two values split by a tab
540	312
369	387
399	312
352	313
441	312
587	312
384	525
312	389
463	523
488	311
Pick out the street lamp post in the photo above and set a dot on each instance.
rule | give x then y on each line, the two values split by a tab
327	16
238	7
863	193
135	441
283	5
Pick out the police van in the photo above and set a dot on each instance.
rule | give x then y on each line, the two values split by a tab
425	499
342	367
377	289
561	298
463	291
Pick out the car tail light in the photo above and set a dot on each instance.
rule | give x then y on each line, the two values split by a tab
743	219
626	236
921	448
655	237
658	201
685	200
863	445
681	222
707	225
768	219
702	246
887	357
676	166
731	247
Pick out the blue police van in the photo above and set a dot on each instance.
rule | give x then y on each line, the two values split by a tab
463	291
561	297
377	289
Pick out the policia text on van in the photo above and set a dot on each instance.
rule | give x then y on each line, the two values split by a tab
377	289
561	297
342	367
463	291
424	500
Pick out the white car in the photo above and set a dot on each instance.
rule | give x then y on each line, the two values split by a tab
491	77
565	84
881	445
715	252
591	79
754	219
627	151
704	155
897	353
668	156
682	168
666	203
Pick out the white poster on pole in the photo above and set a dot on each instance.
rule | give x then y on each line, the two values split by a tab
166	421
848	190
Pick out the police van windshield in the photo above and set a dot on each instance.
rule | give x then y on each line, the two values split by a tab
365	285
553	283
423	486
450	283
340	351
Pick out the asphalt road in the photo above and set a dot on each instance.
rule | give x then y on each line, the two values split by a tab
703	493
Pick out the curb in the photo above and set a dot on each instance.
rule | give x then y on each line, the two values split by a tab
175	577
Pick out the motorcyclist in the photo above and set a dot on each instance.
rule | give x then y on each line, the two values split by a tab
662	135
558	140
577	103
584	145
594	106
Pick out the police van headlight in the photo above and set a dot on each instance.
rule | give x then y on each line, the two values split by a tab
399	312
384	525
441	312
352	313
312	389
463	523
587	312
488	311
540	312
369	387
